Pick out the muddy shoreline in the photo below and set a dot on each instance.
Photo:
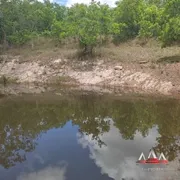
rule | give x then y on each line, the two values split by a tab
110	76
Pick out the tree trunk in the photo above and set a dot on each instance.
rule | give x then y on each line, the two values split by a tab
88	50
4	40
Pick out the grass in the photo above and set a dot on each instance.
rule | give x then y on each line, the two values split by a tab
134	52
169	59
46	49
43	49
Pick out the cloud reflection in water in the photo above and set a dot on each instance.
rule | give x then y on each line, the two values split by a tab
49	173
118	157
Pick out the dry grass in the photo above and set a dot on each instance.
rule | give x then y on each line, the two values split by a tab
44	49
136	50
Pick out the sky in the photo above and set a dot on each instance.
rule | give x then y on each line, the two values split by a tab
71	2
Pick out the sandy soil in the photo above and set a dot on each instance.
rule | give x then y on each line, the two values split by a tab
142	77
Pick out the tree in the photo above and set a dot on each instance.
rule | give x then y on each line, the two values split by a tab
89	24
150	22
128	13
171	23
158	3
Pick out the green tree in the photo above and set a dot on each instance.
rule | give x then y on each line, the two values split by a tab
158	3
128	14
91	25
171	23
150	22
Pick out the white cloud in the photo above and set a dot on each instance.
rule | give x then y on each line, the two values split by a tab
49	173
109	2
118	158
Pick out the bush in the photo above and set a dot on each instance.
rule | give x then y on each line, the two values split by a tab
150	23
171	31
21	37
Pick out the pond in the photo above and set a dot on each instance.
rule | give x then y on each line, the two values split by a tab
86	136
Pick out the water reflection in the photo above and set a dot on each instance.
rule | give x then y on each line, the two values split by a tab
115	131
49	173
118	158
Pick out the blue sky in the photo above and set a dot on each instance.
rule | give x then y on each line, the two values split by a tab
63	2
71	2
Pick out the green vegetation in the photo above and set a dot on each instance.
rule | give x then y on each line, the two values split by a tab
89	26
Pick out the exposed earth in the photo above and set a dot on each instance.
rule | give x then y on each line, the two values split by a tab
144	77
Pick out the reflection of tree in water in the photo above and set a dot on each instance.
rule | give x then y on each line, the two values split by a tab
169	129
141	116
131	117
13	145
94	127
23	122
21	127
169	146
91	115
135	116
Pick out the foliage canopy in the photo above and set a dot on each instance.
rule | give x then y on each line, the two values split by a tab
89	25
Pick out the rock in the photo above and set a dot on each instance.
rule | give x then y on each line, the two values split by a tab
57	61
118	68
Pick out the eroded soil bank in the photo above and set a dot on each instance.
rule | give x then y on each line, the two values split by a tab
144	77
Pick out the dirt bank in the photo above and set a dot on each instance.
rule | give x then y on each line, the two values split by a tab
141	77
129	67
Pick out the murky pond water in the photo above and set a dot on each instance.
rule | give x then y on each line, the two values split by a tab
87	137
